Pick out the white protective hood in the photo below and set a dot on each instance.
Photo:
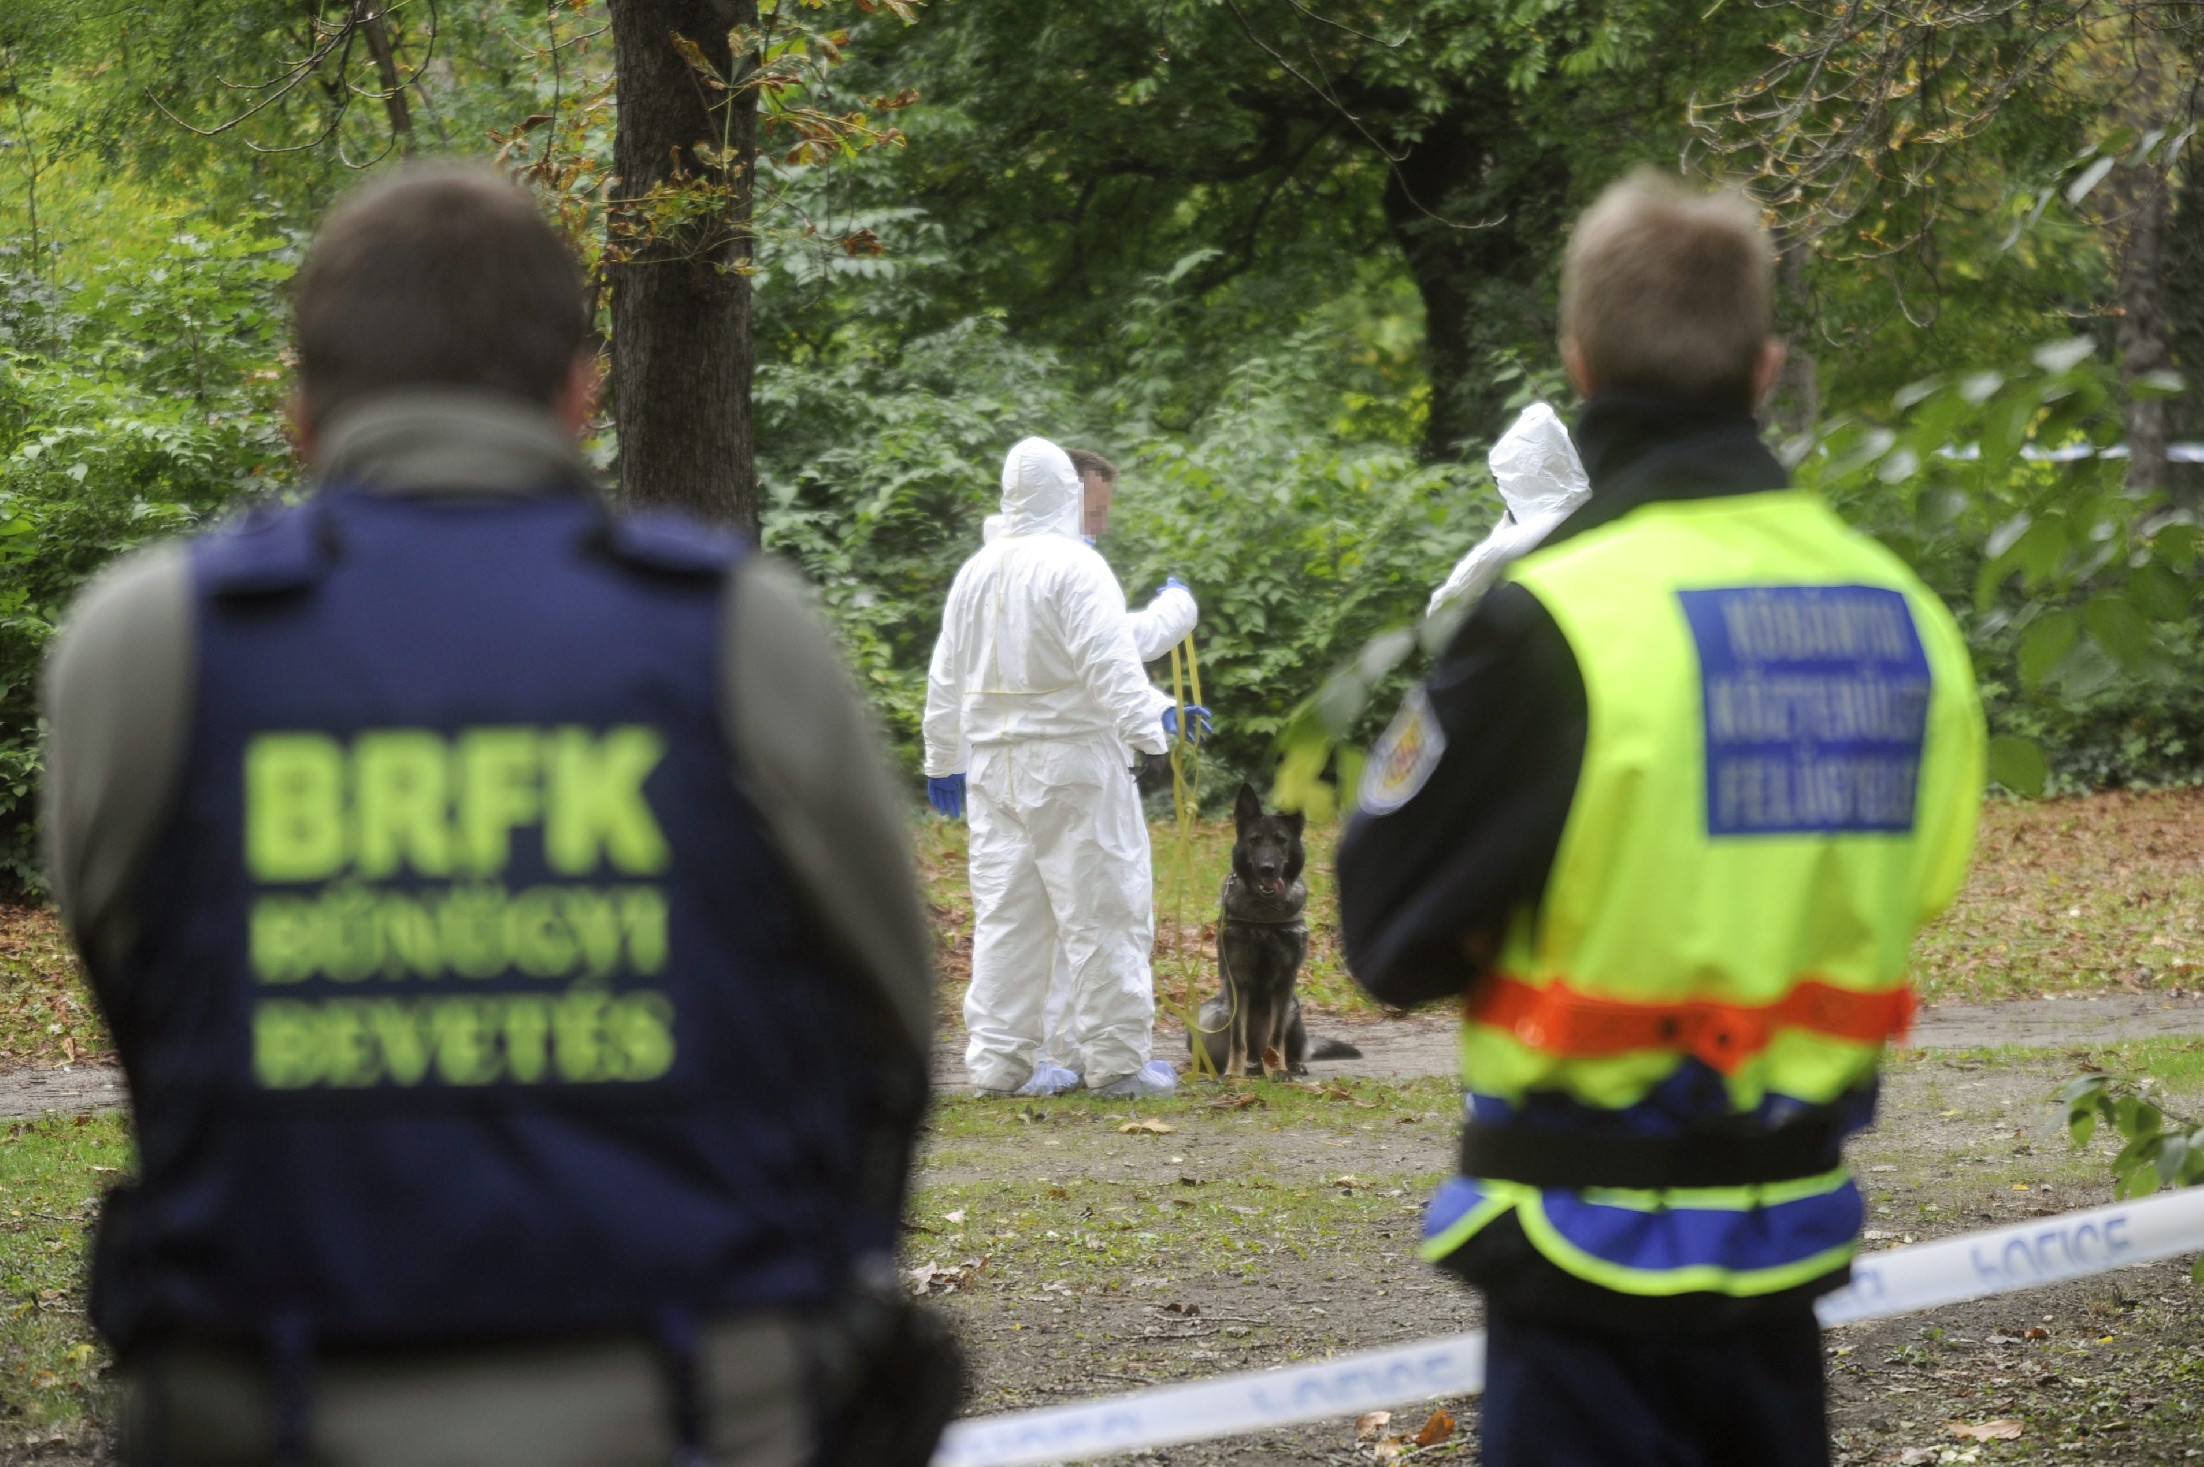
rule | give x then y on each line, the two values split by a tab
1041	494
1539	475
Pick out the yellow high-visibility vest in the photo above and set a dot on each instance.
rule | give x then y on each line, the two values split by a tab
1783	766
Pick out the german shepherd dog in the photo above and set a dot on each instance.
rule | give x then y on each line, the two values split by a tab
1262	938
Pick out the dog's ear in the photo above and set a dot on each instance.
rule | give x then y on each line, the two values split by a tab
1294	822
1247	806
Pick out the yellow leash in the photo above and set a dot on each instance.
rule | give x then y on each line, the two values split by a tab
1185	807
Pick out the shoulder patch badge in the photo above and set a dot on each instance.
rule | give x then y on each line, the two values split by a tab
1404	757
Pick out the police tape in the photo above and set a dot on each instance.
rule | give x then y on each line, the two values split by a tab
1895	1281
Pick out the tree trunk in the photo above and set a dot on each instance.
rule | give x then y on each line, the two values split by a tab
1795	406
681	346
1474	225
2184	279
2143	328
377	36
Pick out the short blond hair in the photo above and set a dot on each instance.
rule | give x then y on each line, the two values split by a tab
1667	288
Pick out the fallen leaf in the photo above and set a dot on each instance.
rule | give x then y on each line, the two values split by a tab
1185	1181
1912	1456
1348	1181
1238	1100
953	1217
1370	1424
1437	1427
1389	1448
1151	1127
1274	1063
2004	1430
1189	1310
2036	1332
933	1278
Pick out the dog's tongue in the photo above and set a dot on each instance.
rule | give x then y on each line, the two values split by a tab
1273	885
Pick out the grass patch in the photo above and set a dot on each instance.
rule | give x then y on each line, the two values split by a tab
1337	1106
1087	1189
52	1173
2176	1063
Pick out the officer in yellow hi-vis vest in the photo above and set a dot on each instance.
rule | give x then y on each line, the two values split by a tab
1668	811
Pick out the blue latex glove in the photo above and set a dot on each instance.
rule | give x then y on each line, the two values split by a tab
1199	724
1173	583
946	795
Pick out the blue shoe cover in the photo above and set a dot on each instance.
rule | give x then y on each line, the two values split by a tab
1048	1079
1152	1081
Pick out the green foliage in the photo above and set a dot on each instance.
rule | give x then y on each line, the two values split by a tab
52	1172
876	475
1298	545
2076	593
1224	243
2157	1149
151	407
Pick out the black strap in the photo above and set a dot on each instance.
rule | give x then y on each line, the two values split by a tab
291	1364
682	1353
1545	1156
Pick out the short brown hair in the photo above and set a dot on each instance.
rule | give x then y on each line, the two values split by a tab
1667	288
443	275
1085	461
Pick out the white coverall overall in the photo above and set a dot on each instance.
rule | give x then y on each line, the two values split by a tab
1541	478
1037	676
1157	628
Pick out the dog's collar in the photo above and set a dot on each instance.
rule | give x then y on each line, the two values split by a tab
1224	906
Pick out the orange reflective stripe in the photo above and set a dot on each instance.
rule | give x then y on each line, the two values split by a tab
1559	1020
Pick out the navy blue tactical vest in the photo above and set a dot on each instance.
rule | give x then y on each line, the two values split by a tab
469	999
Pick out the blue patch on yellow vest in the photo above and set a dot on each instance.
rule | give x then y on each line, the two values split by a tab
1816	704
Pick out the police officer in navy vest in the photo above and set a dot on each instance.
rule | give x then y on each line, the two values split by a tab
1664	819
504	917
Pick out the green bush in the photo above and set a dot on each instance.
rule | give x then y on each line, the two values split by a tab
2076	593
1298	545
134	405
876	476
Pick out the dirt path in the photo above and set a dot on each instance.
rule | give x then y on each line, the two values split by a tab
1392	1049
31	1090
1424	1044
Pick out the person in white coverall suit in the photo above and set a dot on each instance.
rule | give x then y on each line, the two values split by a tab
1157	628
1538	473
1037	697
